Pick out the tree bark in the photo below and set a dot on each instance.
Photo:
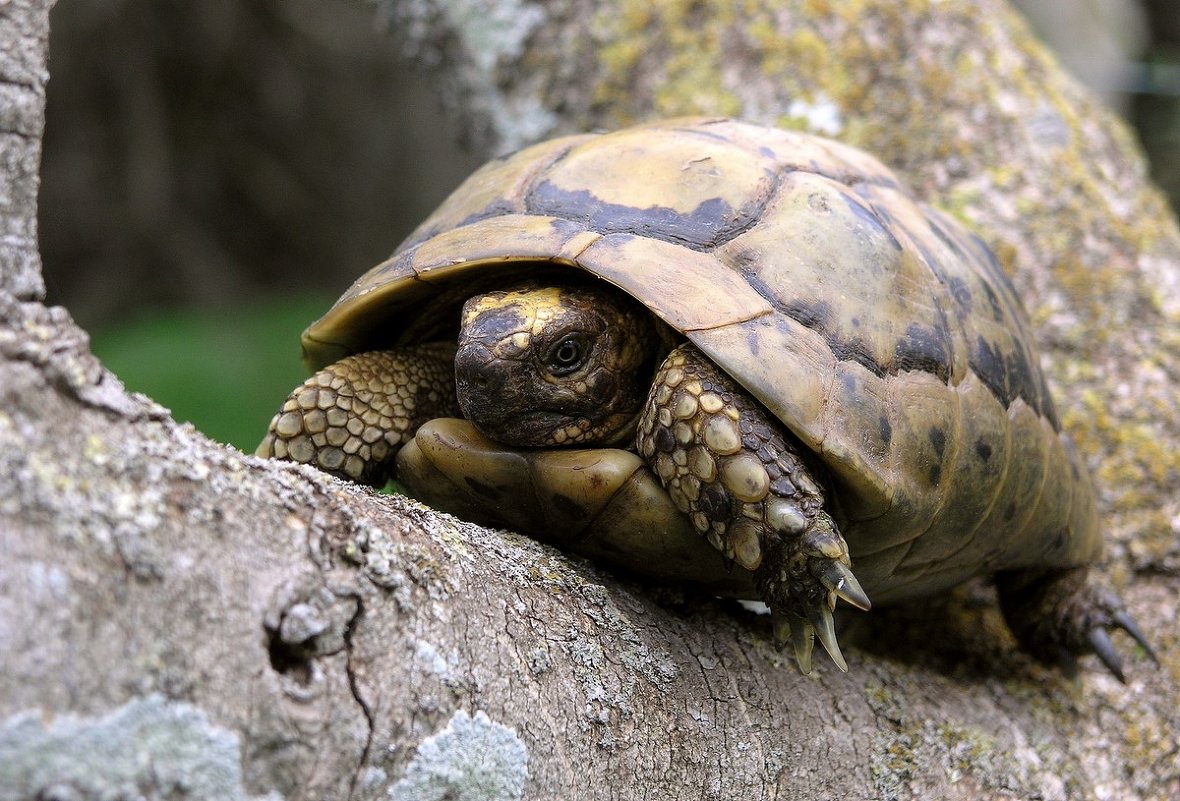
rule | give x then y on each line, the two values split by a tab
180	620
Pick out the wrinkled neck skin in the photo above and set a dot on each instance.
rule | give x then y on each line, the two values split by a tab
545	366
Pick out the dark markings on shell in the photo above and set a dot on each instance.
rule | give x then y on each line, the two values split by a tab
983	450
1005	370
497	208
753	342
871	219
987	259
925	349
1011	376
1060	540
711	224
987	363
886	430
929	258
855	350
862	184
961	293
952	242
849	382
938	440
816	315
1010	511
1022	381
993	302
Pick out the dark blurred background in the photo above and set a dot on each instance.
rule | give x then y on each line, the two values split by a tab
216	172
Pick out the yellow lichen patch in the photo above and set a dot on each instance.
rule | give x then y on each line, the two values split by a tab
673	40
1135	466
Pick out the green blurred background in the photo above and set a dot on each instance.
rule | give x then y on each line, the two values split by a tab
216	172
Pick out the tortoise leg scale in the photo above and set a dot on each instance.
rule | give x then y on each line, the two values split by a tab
729	465
351	418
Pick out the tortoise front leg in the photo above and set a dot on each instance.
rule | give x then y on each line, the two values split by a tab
730	466
351	418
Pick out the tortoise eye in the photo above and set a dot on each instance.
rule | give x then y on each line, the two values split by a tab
567	354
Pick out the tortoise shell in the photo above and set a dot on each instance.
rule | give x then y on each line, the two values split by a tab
881	333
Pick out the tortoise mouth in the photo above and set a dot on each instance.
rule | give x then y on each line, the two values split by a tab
542	429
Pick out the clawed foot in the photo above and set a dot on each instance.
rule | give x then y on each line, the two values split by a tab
1104	648
801	586
747	488
1059	616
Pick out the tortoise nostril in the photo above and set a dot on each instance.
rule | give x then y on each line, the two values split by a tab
472	369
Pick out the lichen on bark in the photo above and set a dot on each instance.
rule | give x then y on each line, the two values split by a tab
335	632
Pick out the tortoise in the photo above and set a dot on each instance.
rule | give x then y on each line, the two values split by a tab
700	337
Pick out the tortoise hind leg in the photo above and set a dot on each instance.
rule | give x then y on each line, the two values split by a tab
1059	615
351	418
728	464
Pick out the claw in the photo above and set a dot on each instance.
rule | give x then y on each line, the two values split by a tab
800	636
782	630
1124	621
1104	648
821	619
838	578
802	640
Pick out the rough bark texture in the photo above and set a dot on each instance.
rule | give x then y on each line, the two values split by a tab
180	620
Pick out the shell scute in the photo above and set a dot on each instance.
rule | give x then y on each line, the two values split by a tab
915	404
720	190
841	275
857	441
925	349
686	289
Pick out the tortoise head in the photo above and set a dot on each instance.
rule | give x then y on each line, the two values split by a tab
555	365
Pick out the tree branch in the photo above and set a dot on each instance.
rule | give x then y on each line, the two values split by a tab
182	620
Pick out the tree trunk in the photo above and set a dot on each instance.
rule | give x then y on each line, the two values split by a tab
180	620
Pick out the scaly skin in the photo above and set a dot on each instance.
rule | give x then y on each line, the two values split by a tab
728	465
351	418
